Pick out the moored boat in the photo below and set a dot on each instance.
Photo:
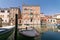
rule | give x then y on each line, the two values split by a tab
5	32
28	32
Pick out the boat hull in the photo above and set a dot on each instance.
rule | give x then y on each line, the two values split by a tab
23	37
29	33
5	34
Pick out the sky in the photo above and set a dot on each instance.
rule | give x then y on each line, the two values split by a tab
48	7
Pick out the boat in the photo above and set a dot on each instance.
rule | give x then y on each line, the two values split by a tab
28	32
58	27
5	32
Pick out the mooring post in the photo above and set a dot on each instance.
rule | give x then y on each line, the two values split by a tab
16	25
0	22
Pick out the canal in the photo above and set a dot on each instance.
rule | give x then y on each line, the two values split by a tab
49	35
20	37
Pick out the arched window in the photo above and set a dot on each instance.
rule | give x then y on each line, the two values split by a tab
8	11
31	20
25	9
31	13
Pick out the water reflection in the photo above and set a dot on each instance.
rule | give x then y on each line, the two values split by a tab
50	36
21	37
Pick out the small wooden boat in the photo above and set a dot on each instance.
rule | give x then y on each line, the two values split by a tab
28	32
5	32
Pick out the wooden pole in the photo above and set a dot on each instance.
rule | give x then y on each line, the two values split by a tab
0	22
16	25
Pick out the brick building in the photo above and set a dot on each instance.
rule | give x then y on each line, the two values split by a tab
31	15
13	11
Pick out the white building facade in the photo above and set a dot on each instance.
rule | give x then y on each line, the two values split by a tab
4	14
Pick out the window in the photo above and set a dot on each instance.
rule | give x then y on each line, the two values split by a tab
31	13
53	20
2	20
13	20
31	20
7	15
20	21
25	9
8	11
2	11
10	20
5	20
31	10
48	20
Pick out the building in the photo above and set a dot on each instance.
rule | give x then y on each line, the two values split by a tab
51	23
51	20
31	15
57	17
42	15
43	23
43	19
8	15
4	14
13	11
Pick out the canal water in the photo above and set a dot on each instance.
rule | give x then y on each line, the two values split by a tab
49	35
